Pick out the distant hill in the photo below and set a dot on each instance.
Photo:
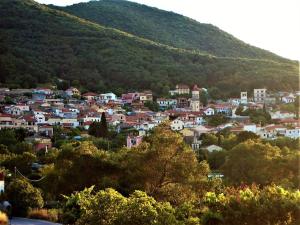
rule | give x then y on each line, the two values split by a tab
167	28
39	45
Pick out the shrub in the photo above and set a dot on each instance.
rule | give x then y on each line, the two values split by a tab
3	219
23	197
252	205
44	214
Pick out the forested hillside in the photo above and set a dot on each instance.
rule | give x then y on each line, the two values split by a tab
167	28
39	44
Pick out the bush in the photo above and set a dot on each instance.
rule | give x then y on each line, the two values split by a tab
23	197
3	219
251	205
44	214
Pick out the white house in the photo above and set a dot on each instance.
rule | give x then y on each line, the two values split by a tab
146	126
293	133
212	148
18	109
250	127
72	91
39	116
199	120
105	98
53	121
70	122
209	111
282	115
259	95
88	118
165	103
235	101
244	97
288	99
177	125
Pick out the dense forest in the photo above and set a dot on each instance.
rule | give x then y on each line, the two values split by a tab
167	28
39	44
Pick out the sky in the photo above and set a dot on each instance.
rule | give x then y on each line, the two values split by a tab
273	25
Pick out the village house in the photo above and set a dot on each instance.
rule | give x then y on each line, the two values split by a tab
160	117
105	98
18	109
212	148
89	117
40	116
41	93
293	133
271	131
72	91
40	143
234	101
259	95
69	123
282	115
166	103
6	120
244	97
45	131
288	98
224	108
53	120
289	122
182	89
182	102
145	96
250	128
177	125
133	141
145	126
27	122
90	96
209	111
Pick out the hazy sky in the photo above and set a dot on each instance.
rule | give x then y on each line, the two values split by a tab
269	24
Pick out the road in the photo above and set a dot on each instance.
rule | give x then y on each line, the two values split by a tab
23	221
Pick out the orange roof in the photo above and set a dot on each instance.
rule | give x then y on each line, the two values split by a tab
89	94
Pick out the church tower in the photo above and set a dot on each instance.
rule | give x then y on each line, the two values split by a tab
195	101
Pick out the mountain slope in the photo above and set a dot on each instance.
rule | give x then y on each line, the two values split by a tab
166	27
39	44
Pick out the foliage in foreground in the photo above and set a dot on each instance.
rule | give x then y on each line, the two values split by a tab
3	219
244	205
44	214
23	196
162	166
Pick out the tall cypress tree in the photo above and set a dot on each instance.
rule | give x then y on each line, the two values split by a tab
103	126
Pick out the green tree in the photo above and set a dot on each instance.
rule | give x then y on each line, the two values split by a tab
7	137
216	120
174	175
22	161
204	98
99	129
103	126
152	105
251	161
23	196
246	135
108	207
251	205
209	139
